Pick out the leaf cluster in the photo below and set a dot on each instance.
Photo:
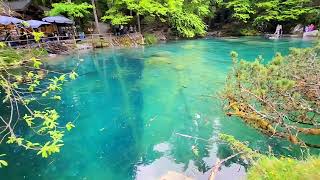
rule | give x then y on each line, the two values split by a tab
70	9
185	16
264	11
23	83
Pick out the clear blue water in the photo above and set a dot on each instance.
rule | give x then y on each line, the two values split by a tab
131	106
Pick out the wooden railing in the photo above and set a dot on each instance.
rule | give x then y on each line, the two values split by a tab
113	40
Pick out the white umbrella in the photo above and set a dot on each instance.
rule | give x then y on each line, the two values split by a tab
36	23
58	20
6	20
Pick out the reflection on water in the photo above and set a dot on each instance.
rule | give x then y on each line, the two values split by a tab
136	109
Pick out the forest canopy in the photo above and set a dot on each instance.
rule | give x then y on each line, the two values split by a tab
190	18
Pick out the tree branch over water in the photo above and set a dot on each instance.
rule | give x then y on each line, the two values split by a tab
26	87
279	98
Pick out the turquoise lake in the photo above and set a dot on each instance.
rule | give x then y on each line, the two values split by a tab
134	110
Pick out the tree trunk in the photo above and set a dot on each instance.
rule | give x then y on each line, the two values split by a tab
95	16
139	25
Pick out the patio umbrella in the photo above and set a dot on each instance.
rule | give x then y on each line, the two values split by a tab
36	23
6	20
58	20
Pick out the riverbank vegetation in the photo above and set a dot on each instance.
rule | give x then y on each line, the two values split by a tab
268	166
194	18
279	98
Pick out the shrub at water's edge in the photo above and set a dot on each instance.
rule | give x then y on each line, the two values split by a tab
11	57
270	167
279	98
249	32
150	39
278	168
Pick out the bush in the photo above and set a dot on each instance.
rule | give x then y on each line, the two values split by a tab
249	32
285	168
262	166
279	98
10	56
150	39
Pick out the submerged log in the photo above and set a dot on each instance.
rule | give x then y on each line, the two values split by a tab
252	118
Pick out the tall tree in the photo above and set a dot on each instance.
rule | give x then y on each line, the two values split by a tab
95	16
182	15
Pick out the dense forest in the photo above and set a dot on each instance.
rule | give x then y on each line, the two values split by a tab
190	18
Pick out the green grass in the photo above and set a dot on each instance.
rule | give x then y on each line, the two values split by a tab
249	32
285	168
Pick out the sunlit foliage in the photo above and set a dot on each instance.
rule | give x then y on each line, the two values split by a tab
268	166
262	11
186	17
23	83
70	9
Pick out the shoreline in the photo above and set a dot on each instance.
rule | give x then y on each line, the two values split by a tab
87	47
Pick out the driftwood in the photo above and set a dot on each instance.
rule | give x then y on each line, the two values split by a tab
219	163
191	137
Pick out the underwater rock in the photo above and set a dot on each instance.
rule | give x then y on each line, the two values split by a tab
161	54
189	46
158	61
162	147
179	67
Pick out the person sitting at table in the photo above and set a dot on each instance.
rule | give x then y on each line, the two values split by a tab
8	37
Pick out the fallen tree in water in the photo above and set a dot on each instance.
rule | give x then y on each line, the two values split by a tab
280	98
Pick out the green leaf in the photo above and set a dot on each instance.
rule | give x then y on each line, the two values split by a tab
13	139
69	126
28	119
44	94
62	78
36	62
37	35
73	75
57	98
3	163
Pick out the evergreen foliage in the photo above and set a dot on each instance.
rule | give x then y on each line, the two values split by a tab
279	98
